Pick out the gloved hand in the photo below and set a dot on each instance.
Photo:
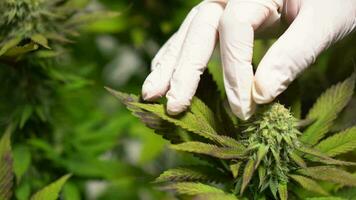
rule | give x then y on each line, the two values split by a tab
314	26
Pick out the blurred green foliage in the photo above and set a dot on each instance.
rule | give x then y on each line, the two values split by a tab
67	123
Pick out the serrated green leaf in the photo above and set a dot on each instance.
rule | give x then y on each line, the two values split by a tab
309	184
297	159
6	166
326	109
51	192
210	150
41	40
192	173
316	155
161	127
273	186
209	93
340	143
261	153
189	122
200	110
331	174
247	175
283	191
262	176
193	188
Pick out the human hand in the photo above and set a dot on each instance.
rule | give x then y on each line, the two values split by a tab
176	69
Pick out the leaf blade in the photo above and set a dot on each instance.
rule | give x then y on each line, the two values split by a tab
247	175
51	192
6	166
210	150
326	109
332	174
339	143
309	184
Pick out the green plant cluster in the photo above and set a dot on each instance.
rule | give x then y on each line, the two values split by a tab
50	192
267	157
64	122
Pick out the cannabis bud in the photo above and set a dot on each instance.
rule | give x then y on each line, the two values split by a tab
273	137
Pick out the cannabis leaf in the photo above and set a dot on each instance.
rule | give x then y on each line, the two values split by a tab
339	143
192	173
309	184
51	192
192	188
164	128
197	124
328	173
211	150
327	108
6	165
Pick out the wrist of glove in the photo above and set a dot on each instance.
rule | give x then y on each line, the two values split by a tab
314	26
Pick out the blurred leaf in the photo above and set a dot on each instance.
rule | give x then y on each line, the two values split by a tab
23	191
19	50
9	44
109	169
71	191
25	115
22	160
41	40
90	17
51	192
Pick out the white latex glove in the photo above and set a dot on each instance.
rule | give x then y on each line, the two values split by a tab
176	69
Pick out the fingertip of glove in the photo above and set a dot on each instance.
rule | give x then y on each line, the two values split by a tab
149	92
261	95
175	108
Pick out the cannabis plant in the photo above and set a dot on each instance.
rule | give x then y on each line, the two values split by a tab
28	24
7	170
270	156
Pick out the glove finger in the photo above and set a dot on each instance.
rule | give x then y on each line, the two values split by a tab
157	83
196	51
162	51
293	52
236	29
